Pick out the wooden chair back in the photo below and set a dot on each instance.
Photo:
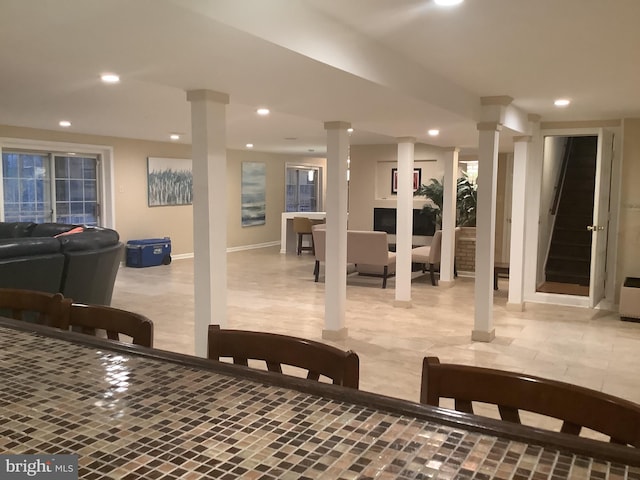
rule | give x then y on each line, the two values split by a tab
50	309
576	406
92	319
343	368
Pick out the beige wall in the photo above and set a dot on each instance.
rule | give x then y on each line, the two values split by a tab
370	180
628	237
135	219
237	235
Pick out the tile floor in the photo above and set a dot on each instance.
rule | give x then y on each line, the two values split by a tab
274	292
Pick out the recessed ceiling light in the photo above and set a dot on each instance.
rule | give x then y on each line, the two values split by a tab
350	130
263	111
434	132
249	145
448	3
174	136
110	78
562	102
64	123
291	138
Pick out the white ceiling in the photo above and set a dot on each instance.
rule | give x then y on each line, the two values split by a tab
390	67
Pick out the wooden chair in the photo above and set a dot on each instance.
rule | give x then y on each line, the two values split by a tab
50	309
302	227
276	350
576	406
91	319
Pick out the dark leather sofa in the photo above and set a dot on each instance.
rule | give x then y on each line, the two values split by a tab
82	266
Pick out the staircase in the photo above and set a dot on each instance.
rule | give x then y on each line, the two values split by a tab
569	258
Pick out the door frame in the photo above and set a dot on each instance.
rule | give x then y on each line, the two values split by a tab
532	221
105	166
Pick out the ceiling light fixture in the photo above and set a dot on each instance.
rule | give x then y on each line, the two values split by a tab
350	130
249	145
434	132
64	123
174	136
110	78
562	102
262	111
448	3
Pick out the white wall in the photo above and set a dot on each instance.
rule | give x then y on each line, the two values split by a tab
552	163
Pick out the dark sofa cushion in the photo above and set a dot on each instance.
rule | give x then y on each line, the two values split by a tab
16	229
24	247
91	274
90	239
51	229
33	272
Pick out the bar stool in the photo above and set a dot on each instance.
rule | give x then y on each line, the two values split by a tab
302	227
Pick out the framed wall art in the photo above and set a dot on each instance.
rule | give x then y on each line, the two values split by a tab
417	179
254	205
170	181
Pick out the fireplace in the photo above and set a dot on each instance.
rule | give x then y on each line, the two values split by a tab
384	220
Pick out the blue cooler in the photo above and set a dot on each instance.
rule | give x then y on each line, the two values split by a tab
149	252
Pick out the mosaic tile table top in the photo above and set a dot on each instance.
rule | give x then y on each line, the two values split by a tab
129	416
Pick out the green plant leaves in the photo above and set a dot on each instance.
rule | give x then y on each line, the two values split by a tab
466	201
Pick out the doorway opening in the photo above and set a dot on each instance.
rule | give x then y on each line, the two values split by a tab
574	215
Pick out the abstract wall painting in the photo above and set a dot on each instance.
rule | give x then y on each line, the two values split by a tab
254	193
170	181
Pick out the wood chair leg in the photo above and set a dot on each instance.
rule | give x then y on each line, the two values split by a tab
299	244
384	276
316	270
455	268
432	271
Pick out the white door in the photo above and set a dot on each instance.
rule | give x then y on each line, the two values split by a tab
600	224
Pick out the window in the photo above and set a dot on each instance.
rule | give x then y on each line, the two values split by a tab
32	193
302	188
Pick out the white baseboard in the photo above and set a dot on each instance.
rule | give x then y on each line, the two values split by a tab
181	256
253	247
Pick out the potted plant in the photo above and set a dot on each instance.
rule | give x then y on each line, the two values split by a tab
466	201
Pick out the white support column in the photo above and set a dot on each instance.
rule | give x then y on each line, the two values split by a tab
483	330
518	229
449	197
404	221
335	283
209	153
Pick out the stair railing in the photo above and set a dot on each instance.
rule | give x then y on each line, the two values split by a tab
563	172
557	194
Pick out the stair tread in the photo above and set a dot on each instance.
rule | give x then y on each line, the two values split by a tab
560	276
570	258
562	243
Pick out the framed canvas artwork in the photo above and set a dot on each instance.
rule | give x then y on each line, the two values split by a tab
417	179
254	205
170	181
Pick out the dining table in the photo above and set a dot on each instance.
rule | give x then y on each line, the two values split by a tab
131	412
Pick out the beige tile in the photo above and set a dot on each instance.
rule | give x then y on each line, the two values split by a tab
273	292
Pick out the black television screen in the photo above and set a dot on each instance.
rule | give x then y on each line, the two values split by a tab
384	220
